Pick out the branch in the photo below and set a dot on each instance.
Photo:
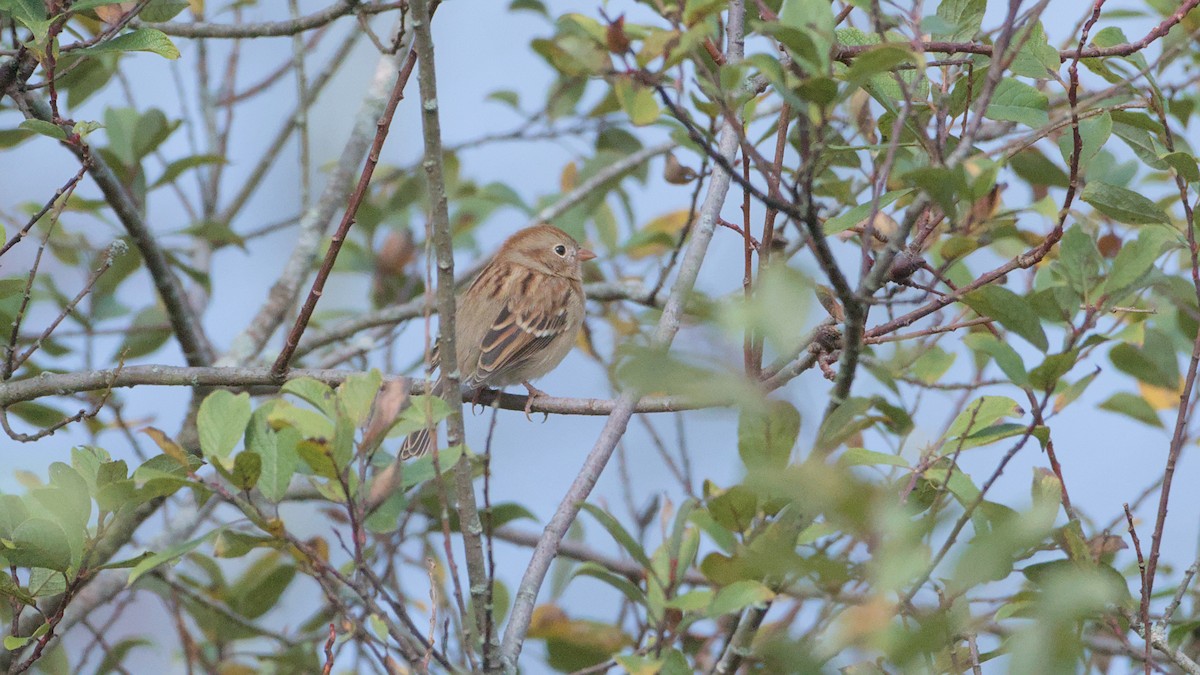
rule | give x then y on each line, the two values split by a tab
261	378
438	230
286	289
614	429
360	192
201	29
739	642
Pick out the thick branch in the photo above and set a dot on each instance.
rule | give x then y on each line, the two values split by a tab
65	384
438	228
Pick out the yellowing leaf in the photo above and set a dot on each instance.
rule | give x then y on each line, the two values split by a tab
570	177
658	235
1161	398
169	447
573	644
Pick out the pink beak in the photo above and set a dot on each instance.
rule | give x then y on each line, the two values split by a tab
585	255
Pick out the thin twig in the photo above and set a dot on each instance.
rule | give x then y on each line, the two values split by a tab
356	198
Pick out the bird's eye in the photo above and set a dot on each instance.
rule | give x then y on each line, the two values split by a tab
560	249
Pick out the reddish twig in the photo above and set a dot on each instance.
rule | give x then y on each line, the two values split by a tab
335	245
329	651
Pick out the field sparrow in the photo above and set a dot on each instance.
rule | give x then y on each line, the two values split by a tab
520	316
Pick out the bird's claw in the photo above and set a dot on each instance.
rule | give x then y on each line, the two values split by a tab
534	394
475	400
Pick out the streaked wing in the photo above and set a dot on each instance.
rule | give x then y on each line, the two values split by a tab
514	337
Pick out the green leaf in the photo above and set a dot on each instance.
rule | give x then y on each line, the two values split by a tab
309	423
31	14
1093	133
140	40
864	457
319	457
357	393
312	391
260	587
176	168
766	437
247	467
1153	363
692	600
1006	358
1015	101
39	542
626	587
619	533
149	331
739	595
10	589
234	544
44	128
962	17
1134	261
81	5
1142	143
850	218
1132	405
843	422
163	10
735	508
878	59
1037	59
805	28
1011	310
932	364
170	555
1123	205
981	413
637	664
1052	369
115	654
1184	164
221	423
279	460
637	100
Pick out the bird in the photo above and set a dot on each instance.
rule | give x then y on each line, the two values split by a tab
520	316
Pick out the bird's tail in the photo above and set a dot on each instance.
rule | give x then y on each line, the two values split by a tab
418	443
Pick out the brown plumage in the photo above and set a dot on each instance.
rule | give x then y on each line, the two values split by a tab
520	316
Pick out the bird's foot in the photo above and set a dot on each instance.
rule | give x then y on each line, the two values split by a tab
534	394
475	399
